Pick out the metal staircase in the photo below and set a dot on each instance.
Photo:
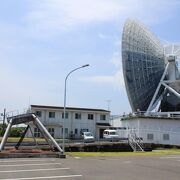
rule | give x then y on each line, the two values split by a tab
135	142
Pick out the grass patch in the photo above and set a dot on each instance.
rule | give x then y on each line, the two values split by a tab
16	139
154	152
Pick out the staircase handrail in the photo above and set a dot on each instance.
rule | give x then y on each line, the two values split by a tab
135	141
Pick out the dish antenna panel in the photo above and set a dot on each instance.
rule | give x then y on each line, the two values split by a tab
150	70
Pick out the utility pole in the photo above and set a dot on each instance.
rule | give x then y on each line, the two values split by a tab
108	103
4	118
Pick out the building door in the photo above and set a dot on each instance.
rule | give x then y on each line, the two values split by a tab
101	133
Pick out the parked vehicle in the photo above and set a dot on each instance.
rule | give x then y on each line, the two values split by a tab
88	137
110	135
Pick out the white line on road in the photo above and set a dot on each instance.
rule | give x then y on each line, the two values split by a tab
46	177
77	157
127	162
17	165
30	160
170	157
31	170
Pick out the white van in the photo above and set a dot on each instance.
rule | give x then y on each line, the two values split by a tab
110	135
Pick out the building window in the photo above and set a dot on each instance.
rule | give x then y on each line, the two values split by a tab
38	113
150	136
103	117
166	137
65	116
51	114
66	130
37	132
90	116
51	131
76	131
77	115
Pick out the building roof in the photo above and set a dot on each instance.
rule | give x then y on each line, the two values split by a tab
68	108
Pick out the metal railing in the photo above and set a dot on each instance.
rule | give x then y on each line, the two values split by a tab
135	142
151	114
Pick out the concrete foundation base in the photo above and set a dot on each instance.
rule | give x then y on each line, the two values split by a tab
63	156
30	154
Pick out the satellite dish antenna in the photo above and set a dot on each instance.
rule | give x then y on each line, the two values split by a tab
150	69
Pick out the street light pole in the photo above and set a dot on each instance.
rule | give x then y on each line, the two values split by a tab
63	147
4	117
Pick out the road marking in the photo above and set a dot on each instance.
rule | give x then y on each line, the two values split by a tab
170	157
127	162
32	160
11	165
29	170
77	157
46	177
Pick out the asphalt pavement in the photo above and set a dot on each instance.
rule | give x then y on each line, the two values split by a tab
92	168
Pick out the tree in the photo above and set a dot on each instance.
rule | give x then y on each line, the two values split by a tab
1	129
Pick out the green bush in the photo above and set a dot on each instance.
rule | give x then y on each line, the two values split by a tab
16	132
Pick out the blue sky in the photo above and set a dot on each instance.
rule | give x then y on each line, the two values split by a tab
42	40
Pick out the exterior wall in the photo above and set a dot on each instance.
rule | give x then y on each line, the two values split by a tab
153	124
71	123
152	130
116	121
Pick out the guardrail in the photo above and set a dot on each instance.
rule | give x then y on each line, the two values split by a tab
151	114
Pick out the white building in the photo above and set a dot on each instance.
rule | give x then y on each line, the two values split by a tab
158	129
77	120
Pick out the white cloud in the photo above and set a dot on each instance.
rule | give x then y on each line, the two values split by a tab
115	80
63	15
106	36
116	60
52	16
17	87
102	36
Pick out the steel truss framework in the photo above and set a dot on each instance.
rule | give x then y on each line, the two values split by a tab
28	118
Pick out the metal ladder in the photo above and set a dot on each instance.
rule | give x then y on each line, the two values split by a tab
135	142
